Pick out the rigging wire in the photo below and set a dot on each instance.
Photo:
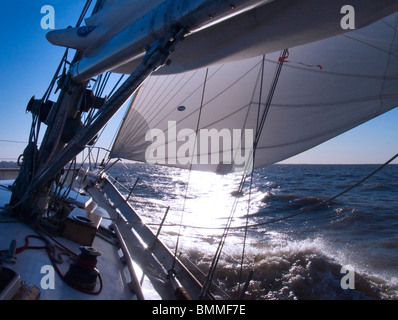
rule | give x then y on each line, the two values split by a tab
190	168
99	87
56	76
13	141
252	176
116	85
248	167
84	12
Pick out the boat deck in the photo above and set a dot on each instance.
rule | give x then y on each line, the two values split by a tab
35	267
32	266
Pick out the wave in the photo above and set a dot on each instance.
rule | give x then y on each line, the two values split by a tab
292	270
308	201
391	243
269	196
292	259
295	201
379	187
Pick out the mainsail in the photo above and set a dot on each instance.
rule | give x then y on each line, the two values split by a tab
208	119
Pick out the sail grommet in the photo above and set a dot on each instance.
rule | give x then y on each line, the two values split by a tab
181	108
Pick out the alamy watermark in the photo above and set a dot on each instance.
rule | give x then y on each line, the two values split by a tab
207	146
48	20
47	282
348	21
348	280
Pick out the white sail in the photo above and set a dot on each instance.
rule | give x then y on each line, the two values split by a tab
120	32
207	119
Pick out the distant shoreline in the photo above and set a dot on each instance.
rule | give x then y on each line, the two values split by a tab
14	165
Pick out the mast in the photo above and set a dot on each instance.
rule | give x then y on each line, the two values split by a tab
59	118
66	137
55	153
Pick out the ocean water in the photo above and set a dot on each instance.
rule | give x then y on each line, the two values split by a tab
295	243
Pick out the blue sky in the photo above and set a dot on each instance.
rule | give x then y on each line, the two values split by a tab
28	62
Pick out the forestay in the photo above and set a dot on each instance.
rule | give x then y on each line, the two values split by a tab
207	119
